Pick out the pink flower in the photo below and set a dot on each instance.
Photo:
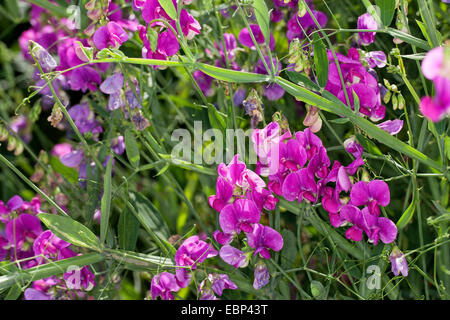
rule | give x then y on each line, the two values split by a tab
436	67
233	256
373	194
163	285
398	262
194	251
263	238
239	216
246	40
366	21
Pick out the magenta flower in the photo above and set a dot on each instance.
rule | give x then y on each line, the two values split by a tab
353	147
48	245
246	40
163	285
398	262
22	231
13	204
118	145
391	126
80	278
357	79
436	67
217	283
377	228
33	294
239	216
110	36
224	193
204	81
373	194
194	251
263	199
367	22
262	276
300	185
263	238
376	59
298	26
233	256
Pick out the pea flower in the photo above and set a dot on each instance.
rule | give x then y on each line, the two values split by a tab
272	91
233	256
300	27
217	283
398	262
391	126
239	216
373	194
48	245
263	238
246	39
367	22
111	35
436	67
13	204
163	285
194	251
262	275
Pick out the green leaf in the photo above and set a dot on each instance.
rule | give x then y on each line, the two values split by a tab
216	120
302	80
320	61
355	102
151	219
387	8
69	173
429	22
408	38
289	251
14	293
263	18
152	36
368	145
132	148
408	214
127	230
231	75
339	120
105	206
70	230
169	8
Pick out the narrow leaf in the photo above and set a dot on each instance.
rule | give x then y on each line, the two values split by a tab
169	8
70	230
106	202
132	148
387	10
320	61
263	18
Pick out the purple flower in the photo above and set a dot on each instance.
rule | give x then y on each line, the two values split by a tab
13	204
377	228
22	231
224	193
194	251
367	22
435	67
84	119
72	159
112	84
358	80
246	40
263	238
84	78
163	285
373	194
77	278
118	145
217	283
391	126
353	147
398	261
376	59
300	185
48	245
298	26
233	256
262	276
239	216
33	294
110	36
204	81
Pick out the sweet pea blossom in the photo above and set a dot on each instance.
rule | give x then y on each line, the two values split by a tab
246	39
194	251
111	35
163	285
391	126
48	245
272	91
373	194
300	27
233	256
262	276
239	216
22	231
367	22
263	238
398	262
358	80
217	283
13	204
436	67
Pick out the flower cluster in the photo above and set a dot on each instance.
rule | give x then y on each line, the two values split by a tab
24	241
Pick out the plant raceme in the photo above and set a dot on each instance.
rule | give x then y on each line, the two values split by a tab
77	71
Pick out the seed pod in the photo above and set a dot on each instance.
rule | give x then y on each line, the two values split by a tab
401	102
394	102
